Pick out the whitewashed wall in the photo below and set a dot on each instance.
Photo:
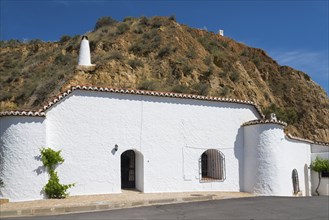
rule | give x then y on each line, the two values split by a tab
270	159
169	134
322	152
20	165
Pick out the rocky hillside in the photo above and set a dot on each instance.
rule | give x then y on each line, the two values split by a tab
159	54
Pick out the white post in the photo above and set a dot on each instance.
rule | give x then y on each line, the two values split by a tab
221	32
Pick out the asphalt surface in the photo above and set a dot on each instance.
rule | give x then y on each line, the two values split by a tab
316	207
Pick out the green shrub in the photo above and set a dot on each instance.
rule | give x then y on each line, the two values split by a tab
224	43
53	188
136	48
211	45
156	22
165	51
129	18
135	63
122	28
104	21
35	41
144	21
180	89
115	55
62	59
207	60
50	158
191	54
208	73
289	115
234	76
224	91
172	18
138	30
64	38
320	165
223	74
147	43
201	88
245	53
92	45
307	77
187	69
256	61
147	85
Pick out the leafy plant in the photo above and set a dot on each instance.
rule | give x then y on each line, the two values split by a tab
115	55
135	63
234	76
148	85
200	88
165	51
180	89
53	189
122	28
147	43
64	38
289	115
320	165
104	21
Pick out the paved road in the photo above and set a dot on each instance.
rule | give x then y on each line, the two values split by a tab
243	208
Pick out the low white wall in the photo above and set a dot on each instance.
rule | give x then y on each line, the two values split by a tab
322	152
20	165
169	134
270	159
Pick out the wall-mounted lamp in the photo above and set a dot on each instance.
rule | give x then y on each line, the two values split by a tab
116	147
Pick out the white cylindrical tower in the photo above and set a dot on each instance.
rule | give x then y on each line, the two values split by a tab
263	159
84	55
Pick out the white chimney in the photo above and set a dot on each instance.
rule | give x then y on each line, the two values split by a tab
84	55
221	32
273	117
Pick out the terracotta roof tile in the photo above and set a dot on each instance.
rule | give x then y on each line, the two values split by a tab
264	121
130	91
41	112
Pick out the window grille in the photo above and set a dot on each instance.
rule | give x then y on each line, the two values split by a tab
324	174
212	166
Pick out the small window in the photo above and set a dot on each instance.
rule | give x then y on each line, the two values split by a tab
212	166
325	174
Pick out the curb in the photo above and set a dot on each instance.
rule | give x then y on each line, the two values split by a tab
99	207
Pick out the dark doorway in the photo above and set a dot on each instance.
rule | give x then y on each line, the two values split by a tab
128	169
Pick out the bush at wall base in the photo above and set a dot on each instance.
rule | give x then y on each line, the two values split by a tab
53	189
320	165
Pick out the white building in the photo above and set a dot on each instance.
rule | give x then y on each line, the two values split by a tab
154	142
165	142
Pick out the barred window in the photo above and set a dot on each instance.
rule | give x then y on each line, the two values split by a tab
212	166
324	174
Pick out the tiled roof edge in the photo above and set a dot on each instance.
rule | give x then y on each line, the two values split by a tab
299	139
150	93
39	113
307	140
264	121
59	97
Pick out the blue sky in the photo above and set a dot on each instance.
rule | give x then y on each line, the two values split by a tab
293	32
